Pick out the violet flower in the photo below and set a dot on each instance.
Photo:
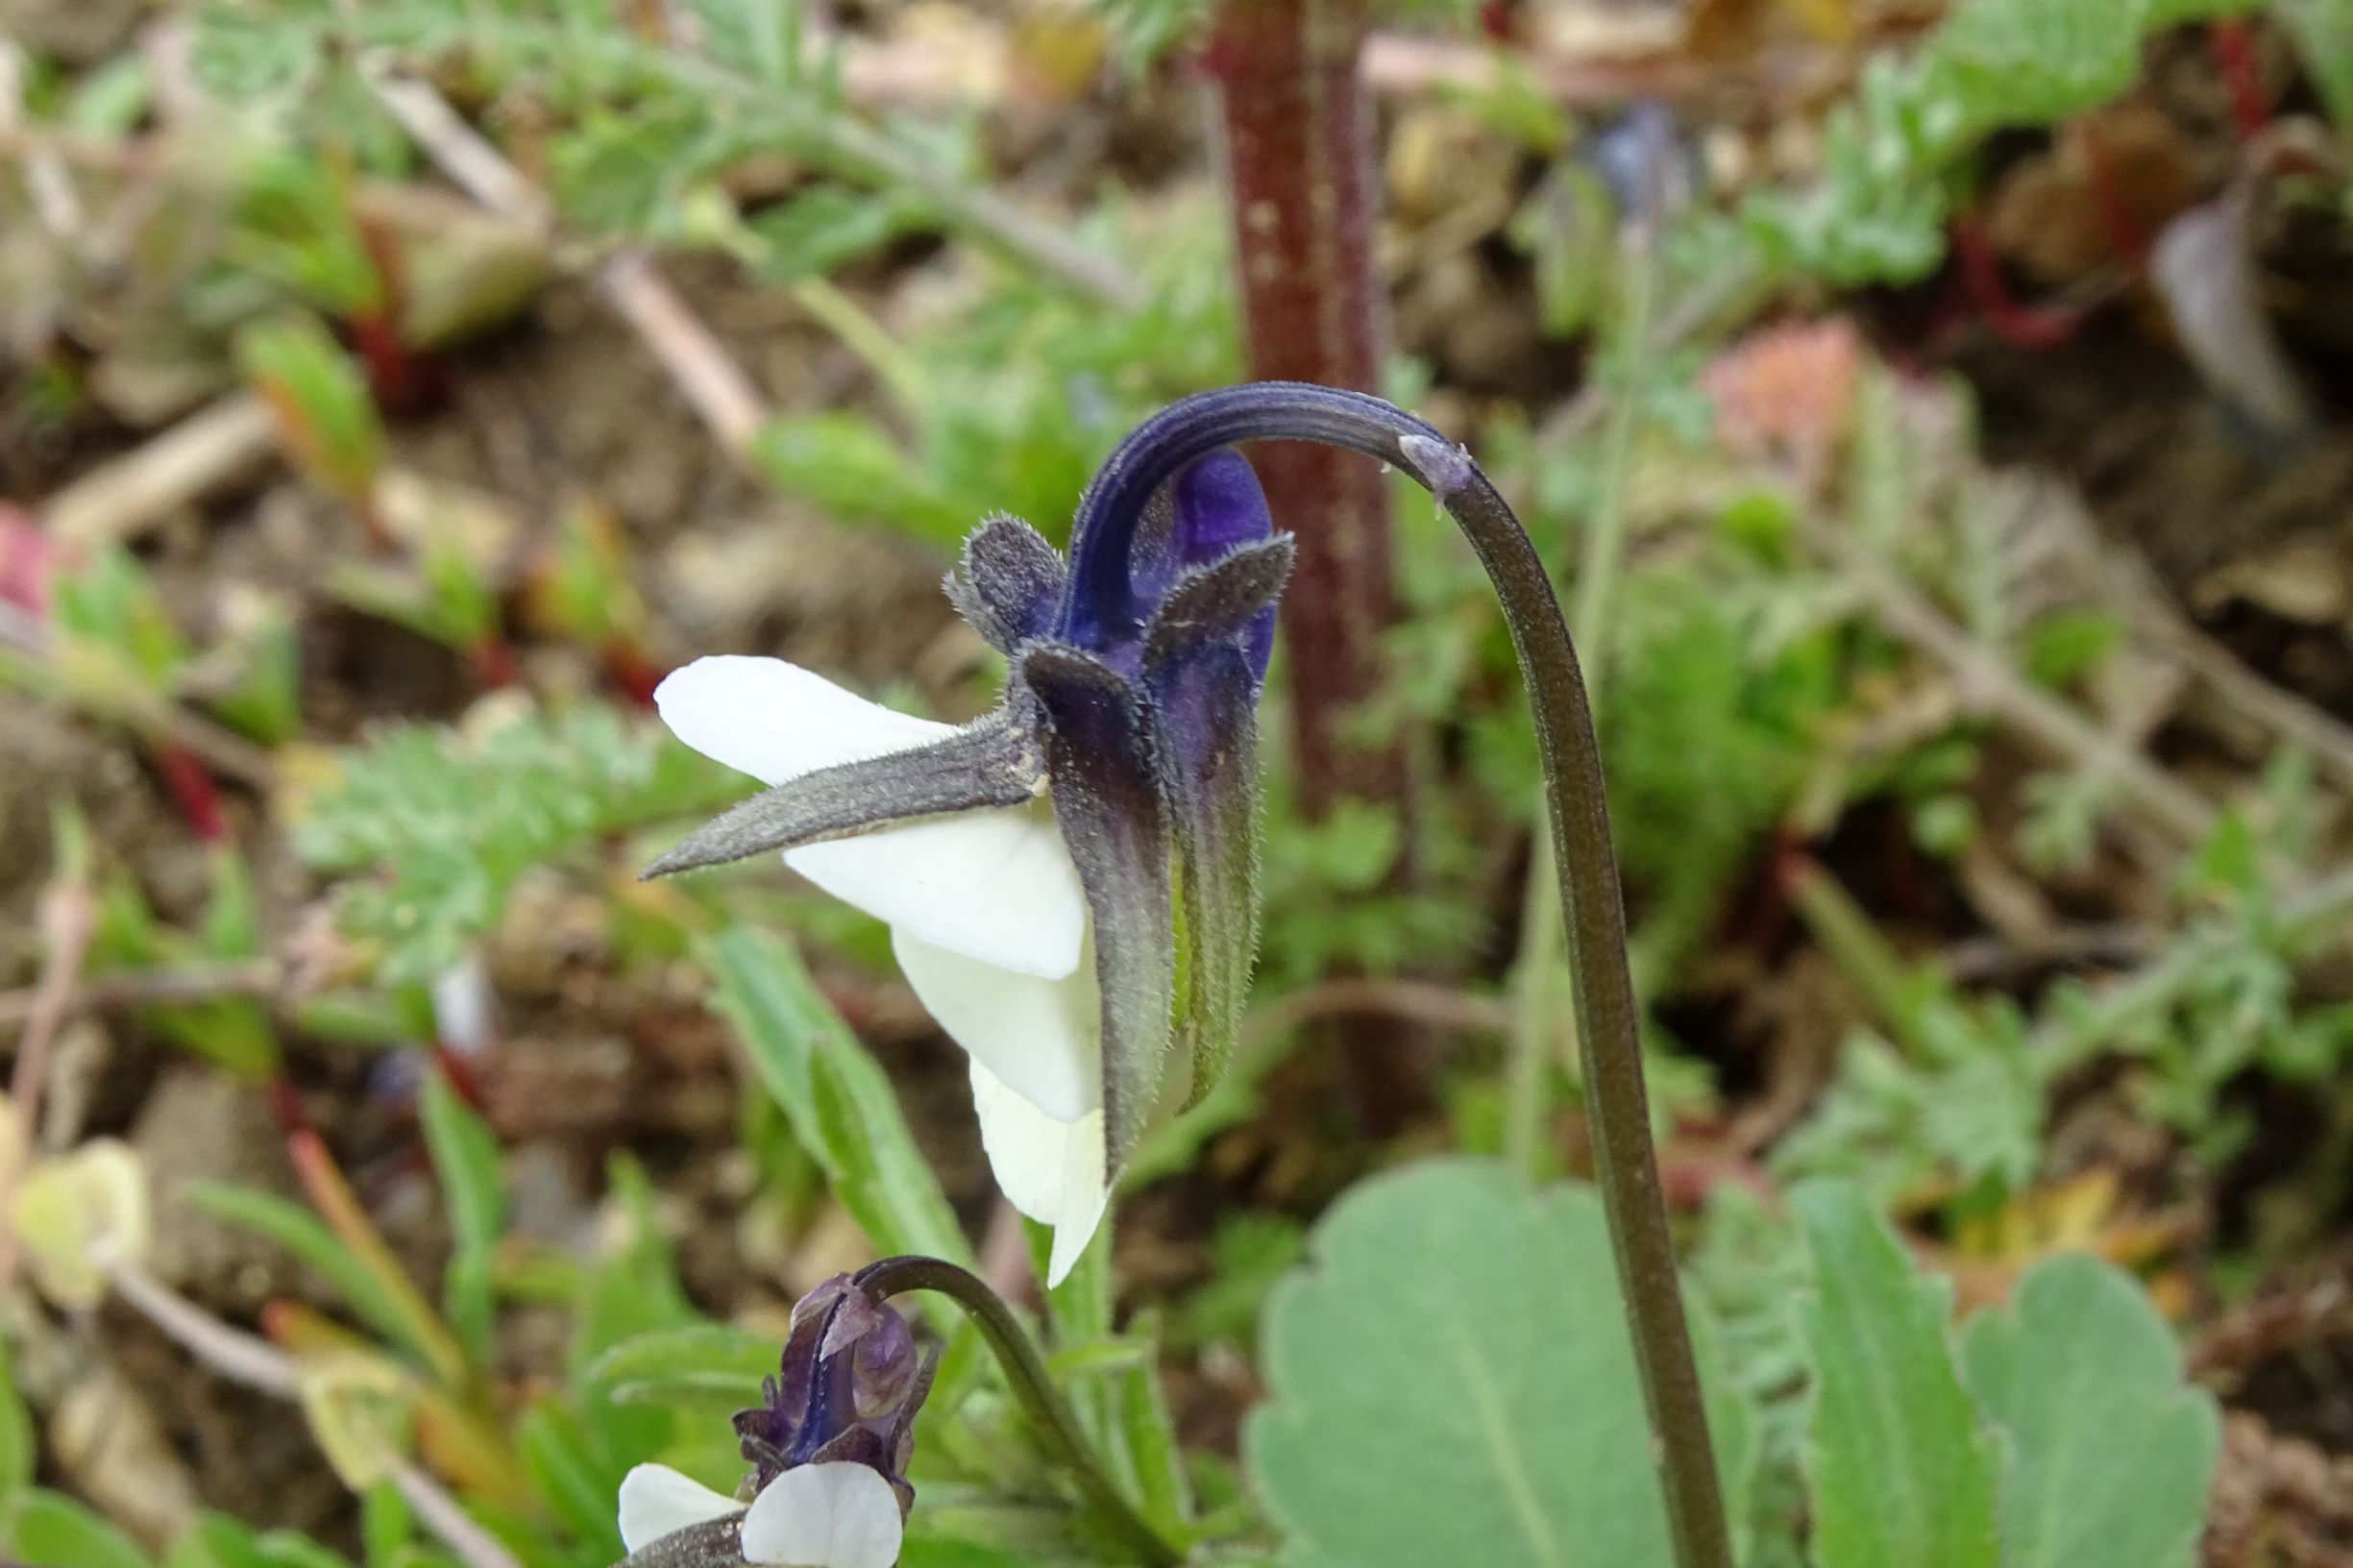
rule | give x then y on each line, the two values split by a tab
828	1447
1032	865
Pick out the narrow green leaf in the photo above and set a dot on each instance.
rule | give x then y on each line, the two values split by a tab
1902	1469
632	1287
840	1104
557	1452
700	1362
17	1444
1452	1383
386	1526
217	1540
1148	1432
327	419
51	1531
922	1551
296	1231
466	1161
2111	1454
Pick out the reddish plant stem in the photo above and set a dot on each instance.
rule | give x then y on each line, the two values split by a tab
461	1077
2234	51
403	381
1300	184
2031	327
192	790
286	1112
494	662
632	671
2126	235
1298	158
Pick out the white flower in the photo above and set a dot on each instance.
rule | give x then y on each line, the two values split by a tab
831	1515
987	919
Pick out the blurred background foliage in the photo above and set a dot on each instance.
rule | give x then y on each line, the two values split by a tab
1935	413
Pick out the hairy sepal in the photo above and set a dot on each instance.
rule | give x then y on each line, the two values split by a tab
1102	761
994	761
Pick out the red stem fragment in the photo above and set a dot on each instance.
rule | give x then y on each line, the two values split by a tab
2034	329
494	662
632	671
2233	48
192	790
2126	236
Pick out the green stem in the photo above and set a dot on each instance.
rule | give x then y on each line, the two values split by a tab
1528	1092
866	337
1027	1374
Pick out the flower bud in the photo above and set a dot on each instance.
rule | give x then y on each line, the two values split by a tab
850	1381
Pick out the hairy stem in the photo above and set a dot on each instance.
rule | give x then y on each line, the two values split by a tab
1031	1385
1617	1104
1528	1100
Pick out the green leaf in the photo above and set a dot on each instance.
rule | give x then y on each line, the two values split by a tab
1452	1383
385	1524
761	38
2110	1452
854	469
1902	1469
700	1362
632	1287
1149	1437
465	1155
922	1551
55	1532
327	419
836	1099
2035	62
296	1230
2323	34
16	1443
556	1447
372	1287
450	820
216	1540
825	228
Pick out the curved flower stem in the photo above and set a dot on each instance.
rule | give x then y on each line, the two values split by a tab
1528	1107
896	1276
1617	1104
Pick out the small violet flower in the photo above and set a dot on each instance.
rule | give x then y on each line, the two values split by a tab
1040	866
828	1447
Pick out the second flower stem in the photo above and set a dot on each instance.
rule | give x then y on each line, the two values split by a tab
1031	1385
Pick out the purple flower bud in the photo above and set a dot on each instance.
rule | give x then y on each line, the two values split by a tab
1211	508
850	1383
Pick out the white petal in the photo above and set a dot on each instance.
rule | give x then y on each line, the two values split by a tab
831	1515
776	720
1042	1038
994	885
1050	1171
656	1501
465	1012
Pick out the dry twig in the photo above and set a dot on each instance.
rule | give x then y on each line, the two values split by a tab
721	393
1416	1001
152	988
255	1363
160	719
123	499
1986	679
68	917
